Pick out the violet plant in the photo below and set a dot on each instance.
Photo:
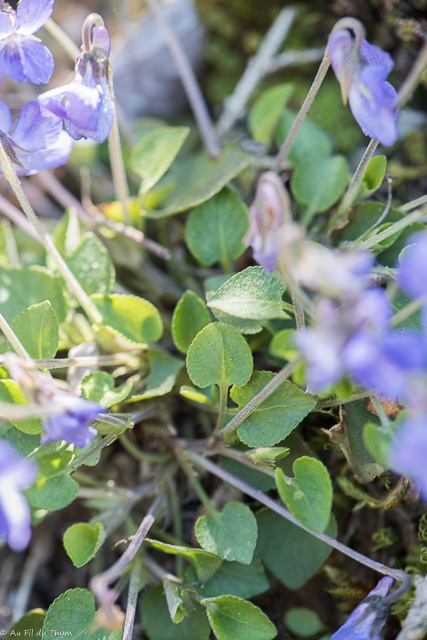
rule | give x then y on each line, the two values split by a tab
280	355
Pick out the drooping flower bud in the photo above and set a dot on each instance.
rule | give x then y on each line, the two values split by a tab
368	619
268	216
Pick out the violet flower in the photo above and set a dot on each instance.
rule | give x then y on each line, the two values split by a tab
409	450
22	55
362	76
71	425
85	104
368	619
412	273
36	140
16	474
268	215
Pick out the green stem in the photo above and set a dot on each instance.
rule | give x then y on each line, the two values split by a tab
413	204
138	454
223	395
195	484
118	171
134	583
74	286
407	311
261	497
269	388
385	422
415	216
13	338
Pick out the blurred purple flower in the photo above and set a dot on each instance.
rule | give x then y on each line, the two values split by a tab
22	55
408	454
268	215
362	76
85	104
36	140
412	272
368	619
16	474
71	425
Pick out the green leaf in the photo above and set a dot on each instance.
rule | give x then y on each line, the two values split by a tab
231	533
37	328
99	387
28	626
204	562
283	346
157	623
92	266
195	395
155	152
373	177
292	555
303	622
74	612
252	294
320	182
311	141
244	326
164	370
234	578
215	229
53	463
178	600
52	493
308	495
23	442
10	391
250	475
134	319
219	355
378	442
22	287
198	178
189	317
82	541
276	416
233	618
348	435
266	111
67	235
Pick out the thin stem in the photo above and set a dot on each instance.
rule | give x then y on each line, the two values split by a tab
397	574
415	216
289	140
407	311
413	78
11	247
85	361
74	286
195	484
337	402
92	20
63	39
294	58
118	171
223	394
257	67
269	388
134	583
385	422
413	204
13	338
190	84
66	199
299	313
143	456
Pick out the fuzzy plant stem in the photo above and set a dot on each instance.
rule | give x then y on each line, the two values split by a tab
74	286
415	216
134	583
189	81
261	497
117	164
13	338
280	377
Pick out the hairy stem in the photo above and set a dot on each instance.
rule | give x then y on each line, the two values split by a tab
13	338
134	582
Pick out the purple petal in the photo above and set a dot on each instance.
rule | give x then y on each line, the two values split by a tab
6	24
50	158
10	59
37	61
36	128
5	118
339	46
369	103
31	15
409	452
16	518
68	428
374	55
101	39
412	273
53	100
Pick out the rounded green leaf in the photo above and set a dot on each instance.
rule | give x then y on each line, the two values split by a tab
189	317
234	578
215	229
22	287
99	387
157	623
373	176
233	618
252	294
52	493
320	182
28	626
37	328
276	416
266	110
10	391
231	533
311	141
155	152
308	495
219	355
164	370
303	622
134	319
82	541
92	266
